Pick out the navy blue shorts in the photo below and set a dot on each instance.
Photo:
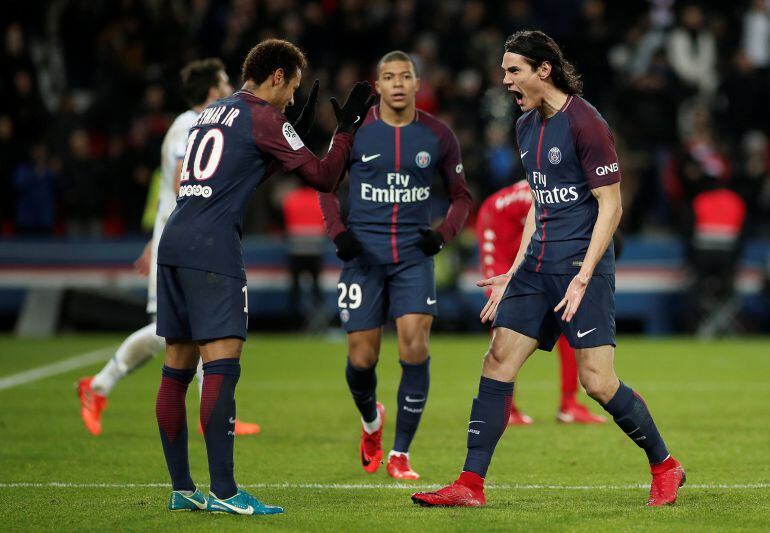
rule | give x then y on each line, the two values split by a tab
529	299
366	293
194	305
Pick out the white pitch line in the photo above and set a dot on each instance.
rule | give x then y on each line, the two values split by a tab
41	372
377	486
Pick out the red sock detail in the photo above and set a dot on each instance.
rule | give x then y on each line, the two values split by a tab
211	385
471	480
170	407
569	371
507	411
668	464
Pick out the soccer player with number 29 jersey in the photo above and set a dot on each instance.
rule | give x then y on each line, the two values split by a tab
562	280
202	310
388	246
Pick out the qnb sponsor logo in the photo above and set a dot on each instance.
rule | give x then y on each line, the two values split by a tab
194	190
557	195
607	169
394	195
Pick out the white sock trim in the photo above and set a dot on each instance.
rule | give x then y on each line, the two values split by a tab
394	452
374	425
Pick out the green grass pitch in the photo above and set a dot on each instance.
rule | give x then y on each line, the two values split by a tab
711	402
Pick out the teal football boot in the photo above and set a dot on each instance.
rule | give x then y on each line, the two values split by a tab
241	503
194	502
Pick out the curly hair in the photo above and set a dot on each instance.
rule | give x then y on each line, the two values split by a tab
270	55
537	47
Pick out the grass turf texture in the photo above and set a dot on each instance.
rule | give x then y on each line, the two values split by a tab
709	399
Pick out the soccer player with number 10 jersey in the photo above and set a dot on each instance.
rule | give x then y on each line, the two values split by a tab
202	309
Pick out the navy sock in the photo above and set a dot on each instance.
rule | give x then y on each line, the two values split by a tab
412	395
489	418
172	422
631	414
363	386
218	421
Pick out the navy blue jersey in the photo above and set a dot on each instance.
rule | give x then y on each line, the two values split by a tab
391	170
229	148
565	157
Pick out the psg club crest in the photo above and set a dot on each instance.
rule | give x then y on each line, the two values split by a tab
422	159
554	155
344	315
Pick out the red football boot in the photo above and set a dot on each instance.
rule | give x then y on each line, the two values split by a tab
241	428
371	445
466	491
398	466
517	418
667	477
91	406
576	413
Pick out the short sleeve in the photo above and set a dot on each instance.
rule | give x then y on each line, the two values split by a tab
179	144
274	135
595	148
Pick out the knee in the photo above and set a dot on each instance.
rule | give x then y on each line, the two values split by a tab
363	355
414	349
496	364
600	388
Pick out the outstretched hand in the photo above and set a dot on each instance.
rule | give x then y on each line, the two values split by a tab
572	298
498	285
306	118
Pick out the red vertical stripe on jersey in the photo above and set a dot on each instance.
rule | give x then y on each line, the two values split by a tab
394	219
540	143
542	237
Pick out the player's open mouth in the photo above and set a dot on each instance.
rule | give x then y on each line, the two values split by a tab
518	96
398	96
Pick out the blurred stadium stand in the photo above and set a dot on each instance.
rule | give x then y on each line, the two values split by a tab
91	284
89	88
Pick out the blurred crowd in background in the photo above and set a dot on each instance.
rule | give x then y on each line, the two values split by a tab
88	89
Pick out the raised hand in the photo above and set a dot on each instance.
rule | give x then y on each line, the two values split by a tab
306	118
351	115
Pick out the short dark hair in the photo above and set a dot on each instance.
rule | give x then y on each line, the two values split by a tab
198	77
537	47
396	55
270	55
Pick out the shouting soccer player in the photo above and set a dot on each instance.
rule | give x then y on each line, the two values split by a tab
499	227
203	82
562	280
388	247
202	307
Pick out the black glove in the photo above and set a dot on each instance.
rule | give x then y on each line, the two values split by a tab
431	241
351	115
348	246
306	118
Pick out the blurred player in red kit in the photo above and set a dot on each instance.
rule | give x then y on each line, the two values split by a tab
499	227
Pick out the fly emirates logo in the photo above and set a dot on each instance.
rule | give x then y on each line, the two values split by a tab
397	192
557	195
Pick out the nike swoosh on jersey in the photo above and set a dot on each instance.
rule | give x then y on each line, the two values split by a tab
524	153
431	301
366	159
584	333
